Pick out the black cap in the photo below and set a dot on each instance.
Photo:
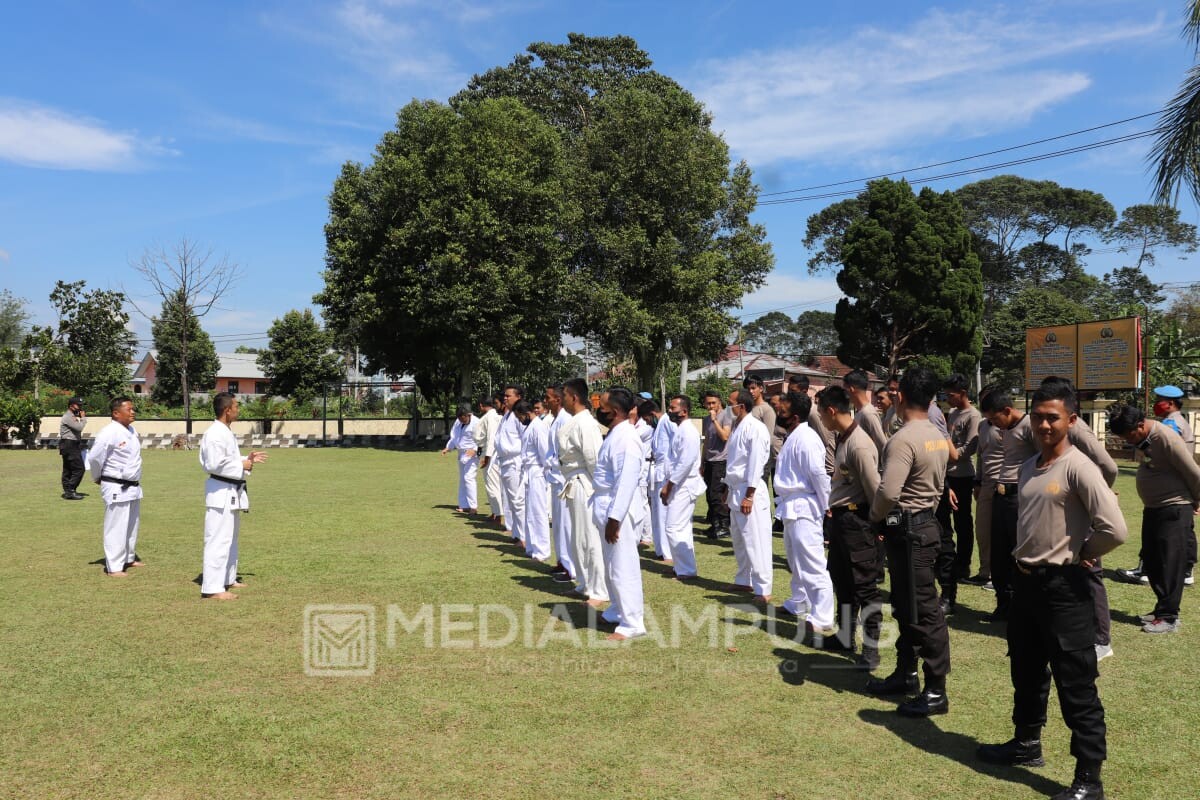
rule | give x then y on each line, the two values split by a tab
75	401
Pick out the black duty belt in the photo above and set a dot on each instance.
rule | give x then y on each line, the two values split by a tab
1043	569
231	481
918	517
849	508
120	481
1006	489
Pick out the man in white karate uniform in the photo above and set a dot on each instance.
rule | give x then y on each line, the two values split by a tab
508	446
579	441
645	434
535	453
746	496
462	439
683	485
560	520
485	446
801	499
660	469
225	499
115	462
618	474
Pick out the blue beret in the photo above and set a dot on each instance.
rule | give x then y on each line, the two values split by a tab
1169	392
648	396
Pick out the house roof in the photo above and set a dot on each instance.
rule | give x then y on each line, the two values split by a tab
240	365
736	362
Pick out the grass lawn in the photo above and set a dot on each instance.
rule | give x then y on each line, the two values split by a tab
136	688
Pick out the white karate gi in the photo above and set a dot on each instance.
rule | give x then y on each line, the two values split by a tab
534	456
618	471
462	439
485	444
579	441
223	507
509	444
745	458
801	499
560	520
660	451
116	452
644	533
687	486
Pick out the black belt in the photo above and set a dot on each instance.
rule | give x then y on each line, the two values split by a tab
1007	489
120	481
918	517
232	481
850	508
1043	569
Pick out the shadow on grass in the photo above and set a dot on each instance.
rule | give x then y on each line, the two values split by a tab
925	735
974	620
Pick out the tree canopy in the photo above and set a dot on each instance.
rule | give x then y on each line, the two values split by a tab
447	249
297	360
912	281
202	361
89	349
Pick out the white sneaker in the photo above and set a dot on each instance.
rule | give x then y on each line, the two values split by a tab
1103	651
1188	580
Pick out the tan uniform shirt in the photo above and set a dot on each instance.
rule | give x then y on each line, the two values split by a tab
827	436
1018	446
991	454
914	470
1066	512
766	415
1168	474
964	434
891	422
856	470
867	418
1082	437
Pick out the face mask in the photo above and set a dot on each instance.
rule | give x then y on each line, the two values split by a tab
676	418
1162	408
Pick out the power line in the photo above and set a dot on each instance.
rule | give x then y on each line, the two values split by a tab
964	158
987	168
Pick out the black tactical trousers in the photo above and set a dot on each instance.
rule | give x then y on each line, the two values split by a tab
928	637
1052	623
72	464
854	566
1165	534
1004	539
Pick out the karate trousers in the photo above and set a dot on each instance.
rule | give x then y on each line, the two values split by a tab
623	574
494	488
680	541
751	536
468	491
512	479
658	515
812	588
536	524
120	533
586	549
560	524
221	526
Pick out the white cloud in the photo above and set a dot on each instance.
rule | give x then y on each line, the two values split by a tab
963	74
5	256
791	295
40	136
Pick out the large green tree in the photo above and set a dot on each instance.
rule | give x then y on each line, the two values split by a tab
1032	307
663	247
297	359
88	350
810	334
13	319
912	281
1147	229
447	250
174	327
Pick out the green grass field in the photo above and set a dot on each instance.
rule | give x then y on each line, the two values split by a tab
136	688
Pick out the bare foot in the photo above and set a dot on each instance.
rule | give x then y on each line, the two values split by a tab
594	603
135	564
236	585
762	599
459	510
616	637
121	574
668	562
219	596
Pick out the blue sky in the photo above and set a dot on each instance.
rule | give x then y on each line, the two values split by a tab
129	124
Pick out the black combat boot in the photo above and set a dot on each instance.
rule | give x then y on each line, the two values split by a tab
1086	786
1023	750
899	682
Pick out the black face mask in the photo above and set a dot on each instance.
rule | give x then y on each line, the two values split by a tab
676	418
604	418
